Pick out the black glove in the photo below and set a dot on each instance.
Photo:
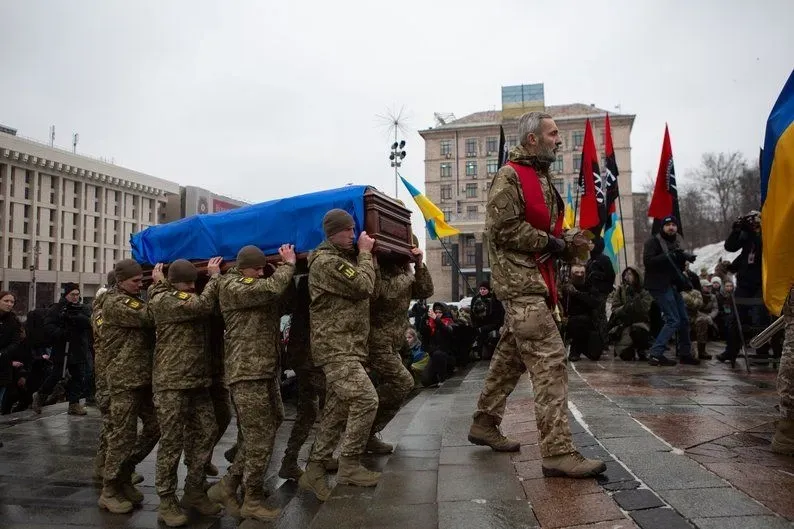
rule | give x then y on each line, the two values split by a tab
554	245
689	257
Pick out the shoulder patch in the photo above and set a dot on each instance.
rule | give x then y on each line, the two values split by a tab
133	303
182	295
99	321
346	270
246	280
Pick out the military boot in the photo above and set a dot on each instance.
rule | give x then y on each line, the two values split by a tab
113	500
131	493
99	467
572	465
254	507
313	480
36	404
224	492
211	470
136	478
169	512
230	454
76	409
332	465
484	432
352	473
783	440
196	498
289	468
378	446
702	354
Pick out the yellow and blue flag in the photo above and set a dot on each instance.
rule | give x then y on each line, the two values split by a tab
569	220
434	217
613	241
777	200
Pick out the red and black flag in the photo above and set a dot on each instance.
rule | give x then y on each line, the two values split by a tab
665	194
502	147
591	191
611	178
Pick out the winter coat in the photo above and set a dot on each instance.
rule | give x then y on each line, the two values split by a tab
747	266
438	333
69	322
601	274
630	304
660	272
10	338
487	311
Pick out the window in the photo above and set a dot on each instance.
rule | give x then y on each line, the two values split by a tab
471	168
446	170
512	141
446	192
447	213
469	255
557	165
492	166
578	139
446	147
559	183
492	145
577	163
445	260
471	190
471	147
471	212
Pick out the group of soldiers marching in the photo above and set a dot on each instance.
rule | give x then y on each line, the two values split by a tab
161	360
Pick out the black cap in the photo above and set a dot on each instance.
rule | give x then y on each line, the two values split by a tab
668	219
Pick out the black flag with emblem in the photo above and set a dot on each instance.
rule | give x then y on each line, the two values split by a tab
502	147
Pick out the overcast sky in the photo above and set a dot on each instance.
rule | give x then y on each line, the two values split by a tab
260	99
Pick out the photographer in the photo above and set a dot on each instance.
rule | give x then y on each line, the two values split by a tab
665	262
67	322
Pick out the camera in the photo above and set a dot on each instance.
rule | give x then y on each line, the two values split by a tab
748	222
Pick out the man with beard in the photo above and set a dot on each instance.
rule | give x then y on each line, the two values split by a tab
631	316
665	261
705	319
581	302
524	217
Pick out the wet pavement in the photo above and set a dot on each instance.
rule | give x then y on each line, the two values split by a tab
685	447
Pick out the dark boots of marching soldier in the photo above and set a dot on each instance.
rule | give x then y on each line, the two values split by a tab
376	445
485	432
224	493
169	512
112	499
313	480
196	498
254	507
572	465
352	472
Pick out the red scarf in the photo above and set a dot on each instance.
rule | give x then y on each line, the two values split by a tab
432	324
538	215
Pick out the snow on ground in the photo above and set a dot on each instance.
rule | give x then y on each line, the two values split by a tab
708	256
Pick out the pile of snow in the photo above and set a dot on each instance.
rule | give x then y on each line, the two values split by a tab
708	256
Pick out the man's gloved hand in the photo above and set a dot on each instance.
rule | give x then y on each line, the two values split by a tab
689	257
554	245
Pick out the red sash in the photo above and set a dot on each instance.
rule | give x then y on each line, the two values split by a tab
538	215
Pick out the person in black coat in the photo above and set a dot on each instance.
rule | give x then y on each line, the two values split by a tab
487	316
68	322
10	337
581	301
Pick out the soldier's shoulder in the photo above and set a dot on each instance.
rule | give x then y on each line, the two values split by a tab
127	301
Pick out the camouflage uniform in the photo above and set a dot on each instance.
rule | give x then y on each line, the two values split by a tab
705	317
250	308
630	319
181	377
785	374
529	336
129	334
340	287
394	288
101	390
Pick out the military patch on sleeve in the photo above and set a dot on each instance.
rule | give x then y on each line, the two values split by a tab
99	321
133	303
182	295
346	270
246	280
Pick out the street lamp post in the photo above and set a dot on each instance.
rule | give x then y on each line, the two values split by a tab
396	158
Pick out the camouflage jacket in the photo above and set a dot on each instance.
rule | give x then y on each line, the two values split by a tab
630	305
340	286
250	309
128	341
394	290
96	326
181	319
513	242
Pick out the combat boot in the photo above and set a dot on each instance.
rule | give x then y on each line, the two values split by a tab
313	480
76	409
484	432
196	498
572	465
783	440
36	404
331	465
99	467
131	493
113	500
136	478
211	470
231	453
378	446
254	507
290	469
169	512
352	473
224	492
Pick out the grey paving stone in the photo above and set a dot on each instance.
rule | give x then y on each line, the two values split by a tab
406	461
623	445
355	513
595	451
710	503
407	487
621	485
635	500
666	470
615	473
466	482
476	456
662	518
584	439
516	514
419	442
743	522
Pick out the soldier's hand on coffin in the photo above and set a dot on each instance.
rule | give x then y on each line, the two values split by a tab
365	242
287	253
418	255
214	266
157	273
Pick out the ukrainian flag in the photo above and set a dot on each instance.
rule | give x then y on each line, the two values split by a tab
777	200
434	218
613	241
569	221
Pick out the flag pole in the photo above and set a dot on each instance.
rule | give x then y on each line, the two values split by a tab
623	229
455	264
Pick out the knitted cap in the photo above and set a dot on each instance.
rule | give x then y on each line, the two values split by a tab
337	220
182	271
668	219
251	257
126	269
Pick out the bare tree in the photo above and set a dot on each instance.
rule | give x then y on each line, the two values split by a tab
721	174
749	190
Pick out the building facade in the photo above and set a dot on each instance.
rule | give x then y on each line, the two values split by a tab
461	159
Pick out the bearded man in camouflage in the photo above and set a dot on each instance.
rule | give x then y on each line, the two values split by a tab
524	226
250	305
181	377
341	284
128	341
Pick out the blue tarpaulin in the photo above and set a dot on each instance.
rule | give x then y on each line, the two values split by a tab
295	220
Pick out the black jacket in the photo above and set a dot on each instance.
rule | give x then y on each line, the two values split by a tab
487	311
437	335
748	274
10	337
600	274
581	300
68	322
660	272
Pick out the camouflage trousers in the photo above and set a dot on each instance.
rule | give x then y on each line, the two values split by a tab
183	414
103	404
259	414
530	339
394	382
702	324
222	411
350	408
311	390
127	448
785	374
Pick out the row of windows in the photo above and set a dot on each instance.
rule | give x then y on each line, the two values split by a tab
491	166
470	190
492	143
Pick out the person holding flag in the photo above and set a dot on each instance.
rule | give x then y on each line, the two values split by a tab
524	219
